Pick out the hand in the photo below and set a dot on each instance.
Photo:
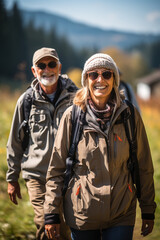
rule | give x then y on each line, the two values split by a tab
52	231
14	191
147	227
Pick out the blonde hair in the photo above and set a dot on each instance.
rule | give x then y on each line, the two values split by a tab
81	97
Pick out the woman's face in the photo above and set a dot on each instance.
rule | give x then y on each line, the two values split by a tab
100	84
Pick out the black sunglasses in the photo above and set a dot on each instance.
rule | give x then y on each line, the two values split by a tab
51	64
94	75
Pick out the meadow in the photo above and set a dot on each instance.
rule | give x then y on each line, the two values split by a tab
16	222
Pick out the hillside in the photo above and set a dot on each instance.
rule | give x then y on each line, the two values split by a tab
81	35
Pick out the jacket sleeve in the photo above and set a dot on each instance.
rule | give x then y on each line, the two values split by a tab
14	145
146	171
56	169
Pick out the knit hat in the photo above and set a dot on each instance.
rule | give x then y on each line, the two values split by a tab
100	60
44	52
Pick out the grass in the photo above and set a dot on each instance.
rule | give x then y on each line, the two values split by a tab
16	222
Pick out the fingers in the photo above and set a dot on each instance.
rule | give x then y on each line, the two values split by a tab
13	198
12	194
147	227
13	191
52	231
19	194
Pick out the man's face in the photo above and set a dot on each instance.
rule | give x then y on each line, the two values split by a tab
47	71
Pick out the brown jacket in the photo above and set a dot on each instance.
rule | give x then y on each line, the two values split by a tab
101	192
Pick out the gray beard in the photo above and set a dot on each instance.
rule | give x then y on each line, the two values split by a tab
47	81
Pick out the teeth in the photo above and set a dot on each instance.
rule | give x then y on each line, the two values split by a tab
46	76
99	87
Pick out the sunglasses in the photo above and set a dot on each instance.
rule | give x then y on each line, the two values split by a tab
51	64
94	75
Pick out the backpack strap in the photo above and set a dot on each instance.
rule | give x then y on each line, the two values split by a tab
129	124
27	103
78	117
126	88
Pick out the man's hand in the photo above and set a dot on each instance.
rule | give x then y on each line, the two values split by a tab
52	231
14	192
147	227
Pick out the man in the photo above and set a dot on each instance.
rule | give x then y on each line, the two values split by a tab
52	93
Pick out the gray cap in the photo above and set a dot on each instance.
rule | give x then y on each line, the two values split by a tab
44	52
100	60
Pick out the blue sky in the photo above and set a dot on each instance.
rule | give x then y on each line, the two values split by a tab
142	16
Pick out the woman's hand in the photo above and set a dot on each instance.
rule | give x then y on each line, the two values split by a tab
52	231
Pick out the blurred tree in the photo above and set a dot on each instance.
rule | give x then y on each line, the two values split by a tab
150	53
18	45
132	65
155	55
4	39
75	75
18	42
35	38
67	54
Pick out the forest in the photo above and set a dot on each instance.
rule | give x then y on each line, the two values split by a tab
18	43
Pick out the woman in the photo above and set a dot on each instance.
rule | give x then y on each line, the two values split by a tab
100	202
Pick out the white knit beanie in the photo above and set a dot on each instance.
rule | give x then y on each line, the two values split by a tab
100	60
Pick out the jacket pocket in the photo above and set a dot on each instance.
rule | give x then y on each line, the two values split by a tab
85	199
39	123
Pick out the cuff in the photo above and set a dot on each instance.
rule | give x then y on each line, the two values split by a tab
51	218
148	216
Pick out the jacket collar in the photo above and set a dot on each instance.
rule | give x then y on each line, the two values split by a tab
64	88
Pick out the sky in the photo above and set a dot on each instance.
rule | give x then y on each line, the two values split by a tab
140	16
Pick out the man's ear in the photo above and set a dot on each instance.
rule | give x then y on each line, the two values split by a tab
33	71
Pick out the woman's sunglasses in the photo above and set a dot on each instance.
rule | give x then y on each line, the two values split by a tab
94	75
51	64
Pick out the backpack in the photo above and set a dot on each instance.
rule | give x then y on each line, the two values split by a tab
26	105
78	119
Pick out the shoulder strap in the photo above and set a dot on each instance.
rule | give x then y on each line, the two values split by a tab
77	128
27	103
125	85
78	117
129	124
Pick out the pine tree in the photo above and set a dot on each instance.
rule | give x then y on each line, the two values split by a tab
4	35
18	45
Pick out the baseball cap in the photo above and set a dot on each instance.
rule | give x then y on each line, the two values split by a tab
44	52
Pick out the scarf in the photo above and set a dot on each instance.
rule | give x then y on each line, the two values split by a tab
102	116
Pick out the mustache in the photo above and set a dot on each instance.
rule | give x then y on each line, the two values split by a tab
47	75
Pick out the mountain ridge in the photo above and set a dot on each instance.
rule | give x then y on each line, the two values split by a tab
82	35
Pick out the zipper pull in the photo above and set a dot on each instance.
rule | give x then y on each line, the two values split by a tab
117	137
78	190
129	188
